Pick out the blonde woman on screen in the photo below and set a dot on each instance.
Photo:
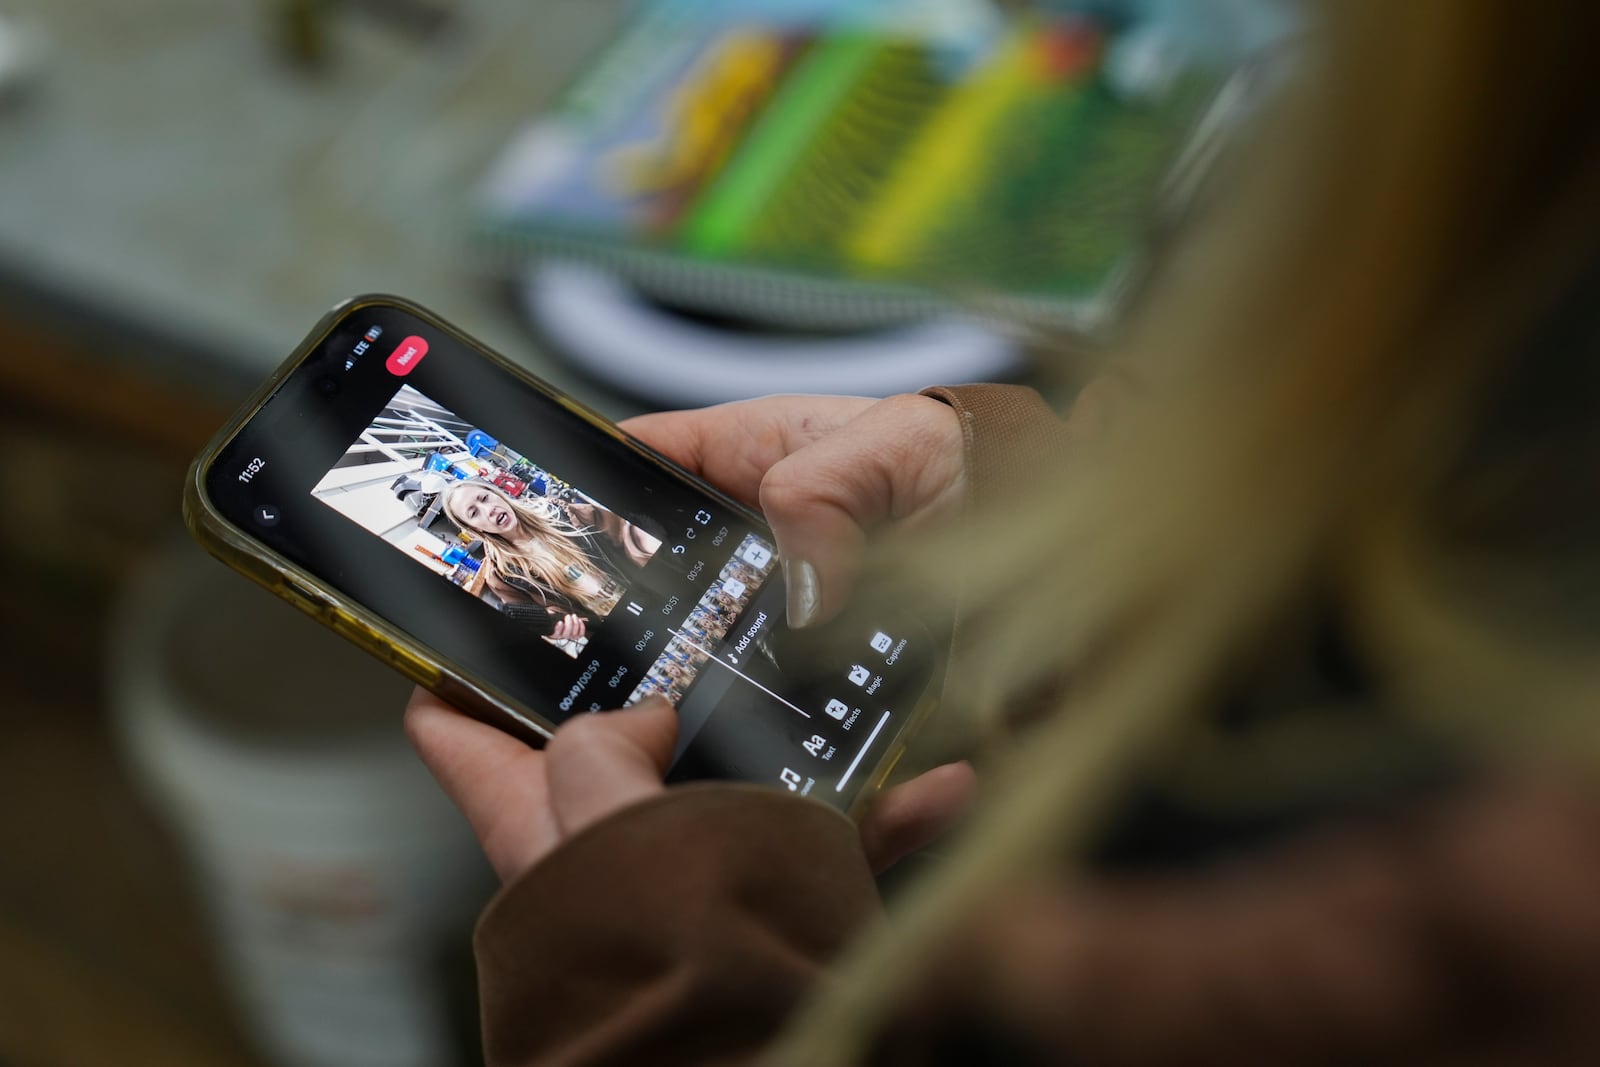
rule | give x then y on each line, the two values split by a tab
535	559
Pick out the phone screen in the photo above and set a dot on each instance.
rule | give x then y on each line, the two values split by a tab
496	525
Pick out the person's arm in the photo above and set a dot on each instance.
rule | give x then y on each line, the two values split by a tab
1007	433
683	929
641	924
689	924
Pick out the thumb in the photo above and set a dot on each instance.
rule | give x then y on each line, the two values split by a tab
898	461
914	814
599	764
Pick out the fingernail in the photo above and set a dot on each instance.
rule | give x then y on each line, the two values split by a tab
804	594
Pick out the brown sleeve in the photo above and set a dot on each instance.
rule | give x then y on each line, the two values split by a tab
1468	931
681	930
1007	431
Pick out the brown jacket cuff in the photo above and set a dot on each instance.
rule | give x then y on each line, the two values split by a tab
683	929
1007	431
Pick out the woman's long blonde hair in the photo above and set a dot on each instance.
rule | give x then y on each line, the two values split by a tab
544	550
1348	394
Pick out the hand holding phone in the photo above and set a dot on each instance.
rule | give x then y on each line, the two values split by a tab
857	454
824	471
523	802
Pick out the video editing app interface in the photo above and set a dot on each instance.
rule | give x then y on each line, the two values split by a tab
629	590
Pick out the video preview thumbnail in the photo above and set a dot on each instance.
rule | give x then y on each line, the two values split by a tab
487	519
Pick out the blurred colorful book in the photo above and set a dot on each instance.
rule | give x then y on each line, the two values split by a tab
850	165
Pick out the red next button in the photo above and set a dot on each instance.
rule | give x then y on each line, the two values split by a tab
407	356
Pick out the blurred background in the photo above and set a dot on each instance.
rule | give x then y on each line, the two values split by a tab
216	848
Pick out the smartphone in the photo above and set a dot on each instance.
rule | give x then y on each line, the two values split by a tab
524	558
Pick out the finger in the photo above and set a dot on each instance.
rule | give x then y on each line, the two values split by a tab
901	460
601	763
733	445
913	815
497	781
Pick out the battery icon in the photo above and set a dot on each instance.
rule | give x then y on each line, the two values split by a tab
373	334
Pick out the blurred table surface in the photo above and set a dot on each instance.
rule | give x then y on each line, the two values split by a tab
176	192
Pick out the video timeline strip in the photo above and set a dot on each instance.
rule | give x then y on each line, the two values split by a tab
820	747
707	623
